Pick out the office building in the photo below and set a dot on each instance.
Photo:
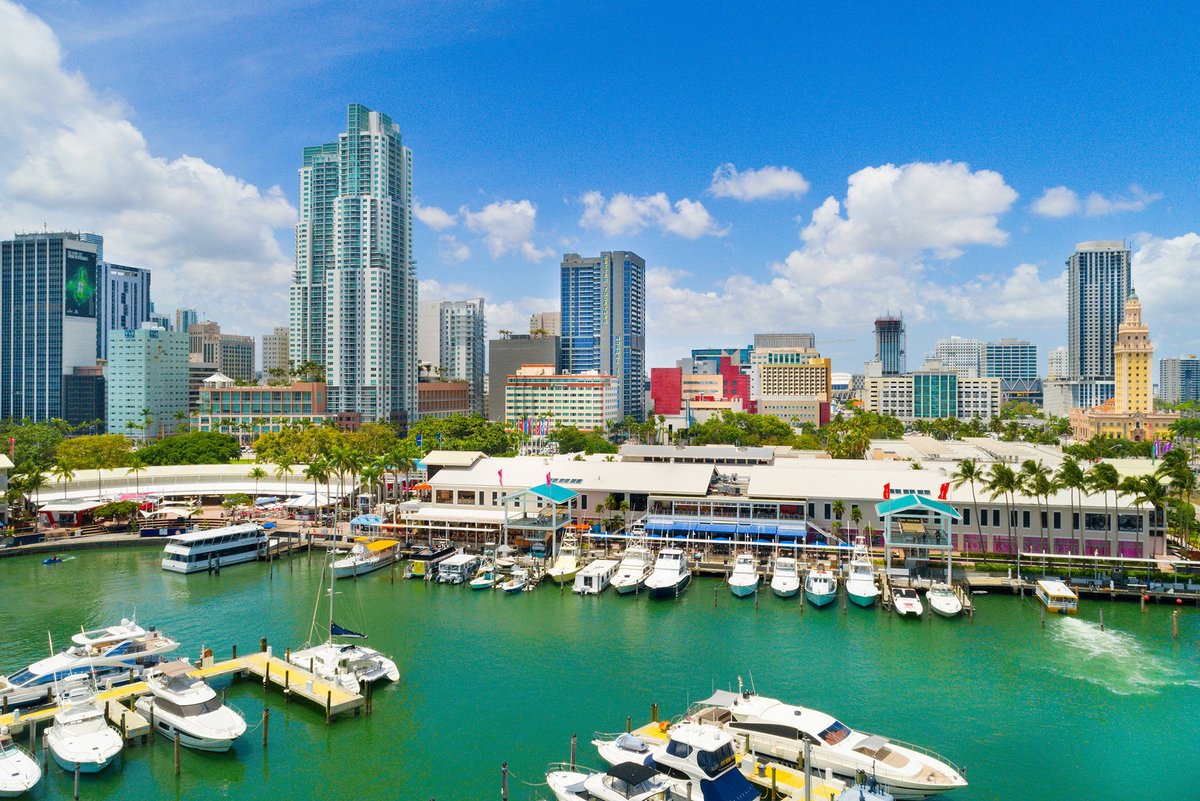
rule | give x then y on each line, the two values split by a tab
932	393
186	318
794	384
354	292
49	320
237	357
587	401
124	300
275	365
230	354
1179	380
964	356
230	409
443	398
450	338
85	398
890	344
1098	282
546	322
1015	363
708	360
786	341
147	382
505	357
604	322
163	321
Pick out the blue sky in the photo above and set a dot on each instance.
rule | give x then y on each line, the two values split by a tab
915	144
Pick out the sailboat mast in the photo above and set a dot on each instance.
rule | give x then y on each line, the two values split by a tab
329	631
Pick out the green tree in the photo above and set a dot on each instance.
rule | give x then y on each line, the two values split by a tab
64	473
137	466
571	440
969	472
1103	478
1038	481
1072	478
855	517
1149	490
460	433
256	473
839	511
195	447
1003	482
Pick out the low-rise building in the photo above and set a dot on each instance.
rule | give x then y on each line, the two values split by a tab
932	393
443	398
587	401
231	409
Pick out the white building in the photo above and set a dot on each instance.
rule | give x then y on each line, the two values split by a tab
929	394
275	352
450	338
147	382
588	401
964	356
124	300
1056	363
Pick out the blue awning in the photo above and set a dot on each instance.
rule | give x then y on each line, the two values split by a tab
720	539
722	528
680	536
655	525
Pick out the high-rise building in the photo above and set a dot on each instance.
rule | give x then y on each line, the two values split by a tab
49	312
147	382
890	344
549	322
1098	282
1056	363
1179	379
231	354
354	291
789	341
1015	363
931	393
964	356
186	318
587	400
237	357
604	322
505	357
124	300
275	355
450	338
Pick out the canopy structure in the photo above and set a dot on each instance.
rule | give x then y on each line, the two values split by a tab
366	520
918	523
555	493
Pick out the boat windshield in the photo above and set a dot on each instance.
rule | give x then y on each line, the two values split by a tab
713	762
835	733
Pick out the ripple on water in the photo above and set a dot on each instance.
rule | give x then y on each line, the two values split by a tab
1111	659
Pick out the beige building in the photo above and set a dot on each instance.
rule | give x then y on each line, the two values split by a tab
587	401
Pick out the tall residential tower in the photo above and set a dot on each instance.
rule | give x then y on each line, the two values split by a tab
890	344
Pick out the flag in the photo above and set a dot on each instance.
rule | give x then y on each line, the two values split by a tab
337	631
547	481
419	437
887	491
501	474
439	438
944	491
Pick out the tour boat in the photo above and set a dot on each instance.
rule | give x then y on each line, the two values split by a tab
743	581
700	760
80	737
115	654
566	566
636	566
366	555
1057	597
943	600
670	575
785	581
907	602
216	548
775	730
595	578
180	703
19	771
458	569
820	586
625	781
860	583
516	581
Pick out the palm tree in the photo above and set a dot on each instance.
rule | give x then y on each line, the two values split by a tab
1072	478
1002	481
64	473
839	512
256	473
136	465
969	472
1103	478
855	517
1037	480
1151	491
283	469
623	506
317	469
370	475
1177	470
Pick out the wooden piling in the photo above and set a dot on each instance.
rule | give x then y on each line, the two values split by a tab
262	644
176	753
628	723
266	676
654	712
76	781
574	746
4	705
287	686
328	707
265	720
235	650
503	781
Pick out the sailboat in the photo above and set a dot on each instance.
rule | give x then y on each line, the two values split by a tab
347	666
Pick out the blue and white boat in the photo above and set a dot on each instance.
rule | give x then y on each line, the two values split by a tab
743	581
670	575
820	586
860	583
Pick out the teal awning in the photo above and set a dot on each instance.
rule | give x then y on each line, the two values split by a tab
555	493
906	503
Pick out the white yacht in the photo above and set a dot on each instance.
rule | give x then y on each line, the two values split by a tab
778	731
700	760
785	581
820	586
215	548
670	575
566	565
180	703
595	578
743	581
365	556
636	565
111	653
625	781
860	582
907	602
80	736
19	771
943	600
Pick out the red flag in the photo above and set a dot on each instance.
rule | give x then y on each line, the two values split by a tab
887	491
944	491
547	481
501	474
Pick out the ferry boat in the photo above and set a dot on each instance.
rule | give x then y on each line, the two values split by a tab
636	566
700	760
626	781
820	586
785	581
860	583
80	737
19	771
366	556
217	547
1057	597
595	578
670	575
180	703
743	581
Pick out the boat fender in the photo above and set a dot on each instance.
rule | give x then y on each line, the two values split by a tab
207	654
663	725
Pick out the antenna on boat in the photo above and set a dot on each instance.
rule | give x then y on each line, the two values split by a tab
753	691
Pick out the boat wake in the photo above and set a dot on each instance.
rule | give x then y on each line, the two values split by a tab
1113	660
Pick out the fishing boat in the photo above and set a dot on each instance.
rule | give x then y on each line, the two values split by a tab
699	759
517	580
1057	597
743	581
860	583
943	600
566	565
636	566
820	586
625	781
785	581
181	703
366	556
487	575
775	730
19	771
907	602
670	575
80	737
116	654
595	578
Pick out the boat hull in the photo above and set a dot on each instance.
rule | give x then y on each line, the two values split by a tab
173	566
84	767
789	590
862	599
482	584
946	612
820	599
361	568
743	590
628	588
670	590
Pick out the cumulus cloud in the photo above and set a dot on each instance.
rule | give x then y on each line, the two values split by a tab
507	226
71	157
1061	201
1164	274
435	218
1057	201
624	214
1022	296
451	251
761	184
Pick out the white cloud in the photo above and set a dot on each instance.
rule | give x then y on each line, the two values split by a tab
761	184
1061	201
71	158
624	214
507	226
1057	201
1164	275
451	251
1019	297
435	218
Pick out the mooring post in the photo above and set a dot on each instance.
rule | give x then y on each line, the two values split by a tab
714	596
574	745
1175	625
176	753
328	706
756	599
262	644
503	781
235	650
77	781
628	723
266	675
654	712
4	706
33	736
1043	617
265	720
287	686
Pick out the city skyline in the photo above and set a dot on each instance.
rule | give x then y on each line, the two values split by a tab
799	221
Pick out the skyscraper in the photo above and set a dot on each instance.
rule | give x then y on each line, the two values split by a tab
604	321
354	290
1179	379
1132	356
275	354
451	339
1098	282
964	356
186	318
890	344
147	382
1056	363
124	300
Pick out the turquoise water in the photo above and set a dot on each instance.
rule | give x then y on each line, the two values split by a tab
1065	712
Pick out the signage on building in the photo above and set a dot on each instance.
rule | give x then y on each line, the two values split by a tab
79	284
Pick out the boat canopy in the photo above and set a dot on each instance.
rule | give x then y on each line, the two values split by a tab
720	698
177	668
382	545
632	773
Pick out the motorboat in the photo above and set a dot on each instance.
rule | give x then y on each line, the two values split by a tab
195	551
625	781
907	602
517	580
785	581
820	586
366	556
636	566
595	578
486	577
423	564
80	737
19	771
566	565
943	600
700	760
52	560
860	582
772	729
113	654
743	581
670	575
1057	597
182	703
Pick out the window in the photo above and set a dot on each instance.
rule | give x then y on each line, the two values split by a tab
678	749
1025	519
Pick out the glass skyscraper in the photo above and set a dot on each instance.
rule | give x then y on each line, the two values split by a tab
890	343
1098	282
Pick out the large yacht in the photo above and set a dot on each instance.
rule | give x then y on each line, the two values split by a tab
19	771
636	565
743	581
625	781
80	737
785	581
670	575
180	703
216	548
777	730
700	759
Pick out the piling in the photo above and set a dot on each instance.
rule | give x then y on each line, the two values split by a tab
774	782
574	746
287	686
235	650
807	763
628	724
4	705
654	712
77	781
262	644
1043	617
1102	620
756	599
266	676
265	720
328	706
45	747
176	753
1175	625
370	697
33	736
503	781
714	596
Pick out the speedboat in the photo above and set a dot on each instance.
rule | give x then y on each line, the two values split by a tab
625	781
785	581
366	555
860	583
776	730
115	654
567	564
943	601
907	602
516	581
636	566
19	772
743	581
180	703
80	737
52	560
699	758
820	586
670	575
487	576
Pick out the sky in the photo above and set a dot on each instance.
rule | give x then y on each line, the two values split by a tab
781	167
